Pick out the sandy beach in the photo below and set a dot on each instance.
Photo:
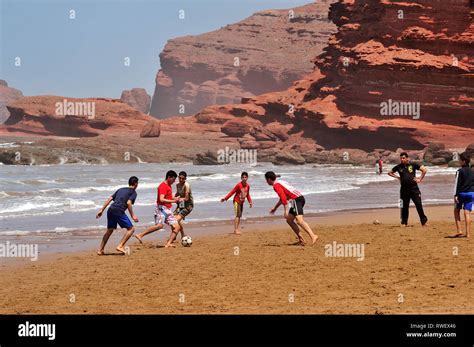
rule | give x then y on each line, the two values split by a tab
403	270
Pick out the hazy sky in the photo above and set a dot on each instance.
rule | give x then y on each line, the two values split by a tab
84	57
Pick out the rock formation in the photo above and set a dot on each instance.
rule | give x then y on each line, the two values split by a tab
137	98
61	116
265	52
7	95
374	61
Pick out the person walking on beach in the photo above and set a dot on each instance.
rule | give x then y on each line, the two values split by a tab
409	187
163	214
123	199
184	208
241	192
463	194
294	215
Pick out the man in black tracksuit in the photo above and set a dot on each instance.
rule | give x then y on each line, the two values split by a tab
409	187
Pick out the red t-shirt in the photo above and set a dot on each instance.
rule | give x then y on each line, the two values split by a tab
165	188
285	191
241	193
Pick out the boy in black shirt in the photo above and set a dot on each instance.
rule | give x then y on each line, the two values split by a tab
409	187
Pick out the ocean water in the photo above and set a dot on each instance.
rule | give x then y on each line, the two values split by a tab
61	198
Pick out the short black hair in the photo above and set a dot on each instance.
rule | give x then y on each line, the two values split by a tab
183	173
244	174
465	157
132	181
270	175
404	154
171	173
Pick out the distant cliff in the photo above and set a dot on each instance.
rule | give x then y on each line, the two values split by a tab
265	52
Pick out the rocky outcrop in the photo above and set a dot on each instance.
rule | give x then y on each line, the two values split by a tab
265	52
151	129
61	116
137	98
7	95
375	63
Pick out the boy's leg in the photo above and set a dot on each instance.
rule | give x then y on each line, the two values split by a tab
125	238
301	222
237	225
148	230
291	222
179	218
457	219
174	233
173	223
416	197
467	220
105	238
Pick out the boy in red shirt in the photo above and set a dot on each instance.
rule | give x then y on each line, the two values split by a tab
294	216
242	192
163	213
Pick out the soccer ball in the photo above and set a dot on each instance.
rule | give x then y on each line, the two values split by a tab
187	241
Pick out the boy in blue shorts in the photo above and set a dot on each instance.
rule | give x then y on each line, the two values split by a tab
123	200
463	194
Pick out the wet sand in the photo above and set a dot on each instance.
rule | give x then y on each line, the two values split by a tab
403	270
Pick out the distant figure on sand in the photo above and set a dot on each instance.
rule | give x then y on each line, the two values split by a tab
463	194
184	208
163	214
379	166
409	187
242	192
123	199
294	216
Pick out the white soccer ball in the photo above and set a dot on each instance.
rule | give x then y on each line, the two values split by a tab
187	241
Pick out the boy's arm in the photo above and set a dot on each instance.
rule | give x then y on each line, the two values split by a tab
186	192
162	199
107	202
130	210
230	194
273	210
248	197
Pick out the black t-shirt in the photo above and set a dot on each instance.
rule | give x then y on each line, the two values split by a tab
121	198
407	173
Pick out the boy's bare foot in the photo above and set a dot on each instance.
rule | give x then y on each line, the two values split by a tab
459	234
237	232
313	240
121	250
168	245
100	252
138	237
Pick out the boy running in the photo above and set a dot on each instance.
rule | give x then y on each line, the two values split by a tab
184	208
163	214
242	192
123	199
294	216
409	187
463	194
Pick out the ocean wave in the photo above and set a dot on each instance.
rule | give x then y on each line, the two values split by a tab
57	230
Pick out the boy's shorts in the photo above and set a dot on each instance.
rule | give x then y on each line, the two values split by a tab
296	206
183	211
115	217
163	215
238	209
466	201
